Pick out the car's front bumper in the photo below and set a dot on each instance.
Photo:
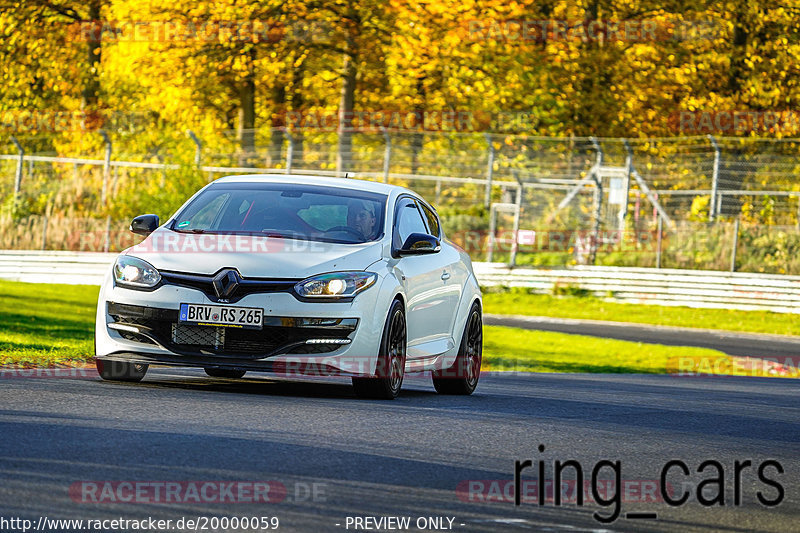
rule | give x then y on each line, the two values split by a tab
297	338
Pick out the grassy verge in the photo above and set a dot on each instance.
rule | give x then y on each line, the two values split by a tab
519	302
43	325
520	350
46	324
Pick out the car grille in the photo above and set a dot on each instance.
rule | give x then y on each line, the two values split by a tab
278	334
198	335
246	285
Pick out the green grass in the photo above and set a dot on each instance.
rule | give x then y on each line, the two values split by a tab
520	350
518	302
44	324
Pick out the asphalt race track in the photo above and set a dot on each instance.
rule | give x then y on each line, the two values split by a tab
403	458
730	342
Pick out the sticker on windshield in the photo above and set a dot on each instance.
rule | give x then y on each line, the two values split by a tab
184	223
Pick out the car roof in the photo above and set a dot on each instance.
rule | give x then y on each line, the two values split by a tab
325	181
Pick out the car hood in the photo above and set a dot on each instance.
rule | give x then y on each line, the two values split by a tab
252	256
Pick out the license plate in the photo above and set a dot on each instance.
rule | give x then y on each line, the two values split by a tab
221	315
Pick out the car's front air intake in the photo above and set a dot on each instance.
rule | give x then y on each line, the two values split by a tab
279	335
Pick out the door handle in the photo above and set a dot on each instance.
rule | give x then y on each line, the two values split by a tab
445	276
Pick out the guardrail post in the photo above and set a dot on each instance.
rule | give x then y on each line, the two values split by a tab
387	154
289	150
198	147
713	210
735	244
20	164
489	172
106	168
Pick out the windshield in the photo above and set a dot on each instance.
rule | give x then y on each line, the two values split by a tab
308	212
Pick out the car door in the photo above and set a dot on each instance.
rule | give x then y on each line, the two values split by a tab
428	303
454	273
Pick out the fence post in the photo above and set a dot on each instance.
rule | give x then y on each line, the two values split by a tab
735	244
623	212
106	168
598	200
107	243
489	172
20	163
198	147
797	215
162	181
658	238
713	211
289	150
490	241
44	233
387	155
515	244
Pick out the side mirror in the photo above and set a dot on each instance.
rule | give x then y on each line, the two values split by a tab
420	243
144	224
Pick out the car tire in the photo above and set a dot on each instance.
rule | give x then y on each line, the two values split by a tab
462	377
391	359
120	371
225	373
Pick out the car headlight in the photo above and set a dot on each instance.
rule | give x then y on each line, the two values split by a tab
335	284
135	272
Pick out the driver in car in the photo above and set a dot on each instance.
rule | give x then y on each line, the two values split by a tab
361	217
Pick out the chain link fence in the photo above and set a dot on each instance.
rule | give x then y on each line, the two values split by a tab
558	200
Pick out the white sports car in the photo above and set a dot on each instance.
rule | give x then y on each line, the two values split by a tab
299	275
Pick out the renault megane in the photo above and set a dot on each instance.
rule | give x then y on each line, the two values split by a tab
298	275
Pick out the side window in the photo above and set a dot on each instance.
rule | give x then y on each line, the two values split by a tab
409	220
433	222
205	216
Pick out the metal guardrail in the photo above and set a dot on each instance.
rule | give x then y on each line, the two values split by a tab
671	287
72	268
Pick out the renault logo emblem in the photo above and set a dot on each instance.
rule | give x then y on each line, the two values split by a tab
226	282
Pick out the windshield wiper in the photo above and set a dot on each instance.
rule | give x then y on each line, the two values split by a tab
279	235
